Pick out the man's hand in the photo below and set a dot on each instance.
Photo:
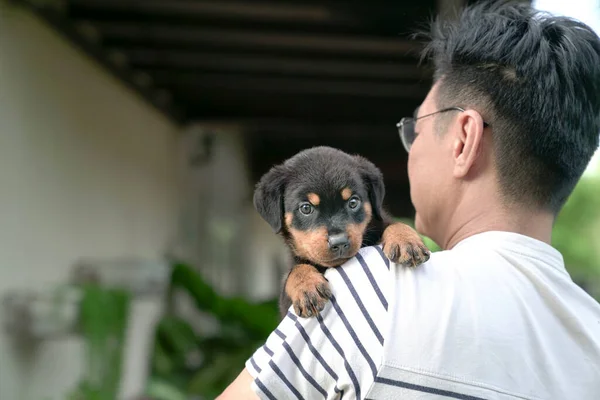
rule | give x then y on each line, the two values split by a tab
240	388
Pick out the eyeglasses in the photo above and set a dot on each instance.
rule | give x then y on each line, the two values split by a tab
406	126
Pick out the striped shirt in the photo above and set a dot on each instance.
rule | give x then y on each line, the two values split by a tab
472	323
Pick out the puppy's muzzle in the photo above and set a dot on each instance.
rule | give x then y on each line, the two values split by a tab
339	244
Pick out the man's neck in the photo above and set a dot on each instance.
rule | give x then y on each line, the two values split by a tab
474	220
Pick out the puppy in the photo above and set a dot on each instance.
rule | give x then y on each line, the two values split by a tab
327	204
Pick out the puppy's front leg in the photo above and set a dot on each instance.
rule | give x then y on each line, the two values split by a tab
402	244
307	289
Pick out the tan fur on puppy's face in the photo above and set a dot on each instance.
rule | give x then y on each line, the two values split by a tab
346	193
314	199
313	245
357	231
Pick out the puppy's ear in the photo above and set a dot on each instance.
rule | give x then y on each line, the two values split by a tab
373	179
268	197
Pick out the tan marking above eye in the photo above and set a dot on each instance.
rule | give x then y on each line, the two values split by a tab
346	193
314	199
288	219
368	209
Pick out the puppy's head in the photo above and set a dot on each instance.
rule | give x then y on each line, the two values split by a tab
321	200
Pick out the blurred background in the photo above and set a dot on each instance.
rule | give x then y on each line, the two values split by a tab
132	132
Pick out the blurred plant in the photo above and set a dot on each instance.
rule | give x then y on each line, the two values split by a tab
576	235
103	324
187	364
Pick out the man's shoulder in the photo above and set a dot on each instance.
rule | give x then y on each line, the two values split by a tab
366	279
371	278
445	277
372	260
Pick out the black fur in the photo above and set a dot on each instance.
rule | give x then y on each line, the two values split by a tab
268	197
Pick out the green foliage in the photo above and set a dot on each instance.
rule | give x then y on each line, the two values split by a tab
158	389
576	235
103	324
257	320
242	327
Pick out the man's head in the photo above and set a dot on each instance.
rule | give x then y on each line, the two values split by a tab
529	85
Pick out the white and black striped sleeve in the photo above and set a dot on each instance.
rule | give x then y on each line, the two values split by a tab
337	354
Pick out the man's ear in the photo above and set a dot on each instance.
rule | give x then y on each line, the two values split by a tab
373	179
268	197
468	143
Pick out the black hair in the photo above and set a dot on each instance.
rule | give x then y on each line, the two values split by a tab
536	79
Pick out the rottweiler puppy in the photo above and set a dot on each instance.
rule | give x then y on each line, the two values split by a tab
327	204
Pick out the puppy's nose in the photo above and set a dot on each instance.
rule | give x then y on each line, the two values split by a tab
338	242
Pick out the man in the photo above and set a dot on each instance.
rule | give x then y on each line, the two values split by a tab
496	147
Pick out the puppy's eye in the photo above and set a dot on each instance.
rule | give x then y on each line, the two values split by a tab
354	202
306	208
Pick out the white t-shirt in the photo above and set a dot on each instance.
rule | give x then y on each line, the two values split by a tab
496	317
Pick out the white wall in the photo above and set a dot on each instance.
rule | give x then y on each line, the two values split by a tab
87	169
223	234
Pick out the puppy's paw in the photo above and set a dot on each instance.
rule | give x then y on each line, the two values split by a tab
403	245
308	289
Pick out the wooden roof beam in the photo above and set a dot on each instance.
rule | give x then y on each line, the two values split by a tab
252	39
273	64
249	83
257	10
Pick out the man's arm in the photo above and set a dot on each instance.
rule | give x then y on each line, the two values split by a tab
240	388
338	352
